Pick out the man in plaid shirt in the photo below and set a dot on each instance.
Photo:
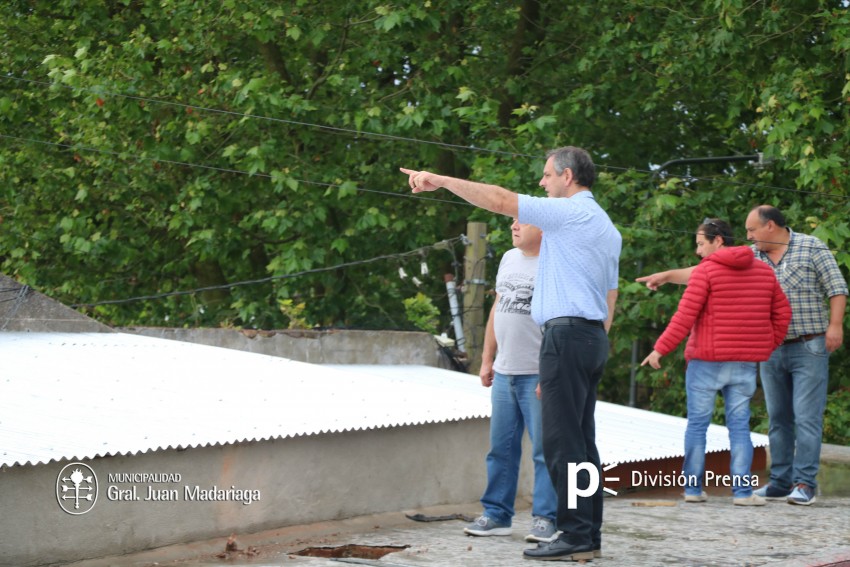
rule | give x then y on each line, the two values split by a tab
795	378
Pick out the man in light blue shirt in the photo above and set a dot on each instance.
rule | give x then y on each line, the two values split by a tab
575	293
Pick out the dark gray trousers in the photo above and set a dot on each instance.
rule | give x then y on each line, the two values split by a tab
572	358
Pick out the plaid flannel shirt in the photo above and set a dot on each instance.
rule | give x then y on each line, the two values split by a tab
808	273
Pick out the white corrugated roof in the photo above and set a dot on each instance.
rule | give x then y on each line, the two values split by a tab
84	395
623	434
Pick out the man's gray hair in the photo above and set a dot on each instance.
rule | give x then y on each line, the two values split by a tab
577	160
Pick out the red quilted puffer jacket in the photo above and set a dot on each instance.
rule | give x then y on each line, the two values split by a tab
733	308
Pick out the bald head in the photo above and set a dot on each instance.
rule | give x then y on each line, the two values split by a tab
766	228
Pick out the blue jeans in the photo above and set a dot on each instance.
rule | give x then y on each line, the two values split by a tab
795	381
515	408
737	382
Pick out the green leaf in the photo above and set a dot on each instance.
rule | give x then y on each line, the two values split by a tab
293	32
389	21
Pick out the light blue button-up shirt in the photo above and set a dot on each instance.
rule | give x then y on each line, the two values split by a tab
579	256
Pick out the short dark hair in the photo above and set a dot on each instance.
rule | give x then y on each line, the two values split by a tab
577	160
712	228
770	213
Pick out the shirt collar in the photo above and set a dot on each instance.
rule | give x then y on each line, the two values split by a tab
585	194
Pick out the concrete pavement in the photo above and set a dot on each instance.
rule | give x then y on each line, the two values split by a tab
645	528
639	529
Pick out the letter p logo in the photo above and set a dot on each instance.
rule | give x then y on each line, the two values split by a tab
573	491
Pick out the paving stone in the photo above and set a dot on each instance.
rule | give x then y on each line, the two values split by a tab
638	530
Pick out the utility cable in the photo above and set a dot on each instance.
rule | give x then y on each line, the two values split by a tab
337	129
130	155
378	135
124	155
437	246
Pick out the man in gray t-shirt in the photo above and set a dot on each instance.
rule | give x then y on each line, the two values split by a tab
513	339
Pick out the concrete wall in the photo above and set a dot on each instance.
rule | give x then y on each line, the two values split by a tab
301	480
24	309
317	347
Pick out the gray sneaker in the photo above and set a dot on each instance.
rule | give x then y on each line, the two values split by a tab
803	495
484	526
542	530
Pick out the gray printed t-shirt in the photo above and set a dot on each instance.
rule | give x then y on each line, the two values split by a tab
517	335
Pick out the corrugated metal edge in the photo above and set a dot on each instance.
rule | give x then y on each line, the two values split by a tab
418	385
80	457
272	380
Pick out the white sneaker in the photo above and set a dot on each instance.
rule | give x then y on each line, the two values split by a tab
701	497
751	500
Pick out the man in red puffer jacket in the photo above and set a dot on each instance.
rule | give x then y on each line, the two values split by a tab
736	314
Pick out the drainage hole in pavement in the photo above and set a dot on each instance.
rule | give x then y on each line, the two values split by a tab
351	550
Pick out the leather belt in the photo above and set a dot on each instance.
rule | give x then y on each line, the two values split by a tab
803	338
572	321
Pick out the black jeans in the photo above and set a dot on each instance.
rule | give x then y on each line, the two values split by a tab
572	358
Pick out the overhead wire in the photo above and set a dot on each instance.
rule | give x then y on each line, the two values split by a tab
418	196
264	280
220	169
443	245
306	182
268	279
337	129
123	155
379	135
759	186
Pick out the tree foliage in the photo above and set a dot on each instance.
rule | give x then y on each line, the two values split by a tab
156	146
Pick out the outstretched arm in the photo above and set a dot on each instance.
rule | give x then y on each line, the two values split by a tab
490	197
690	307
678	276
